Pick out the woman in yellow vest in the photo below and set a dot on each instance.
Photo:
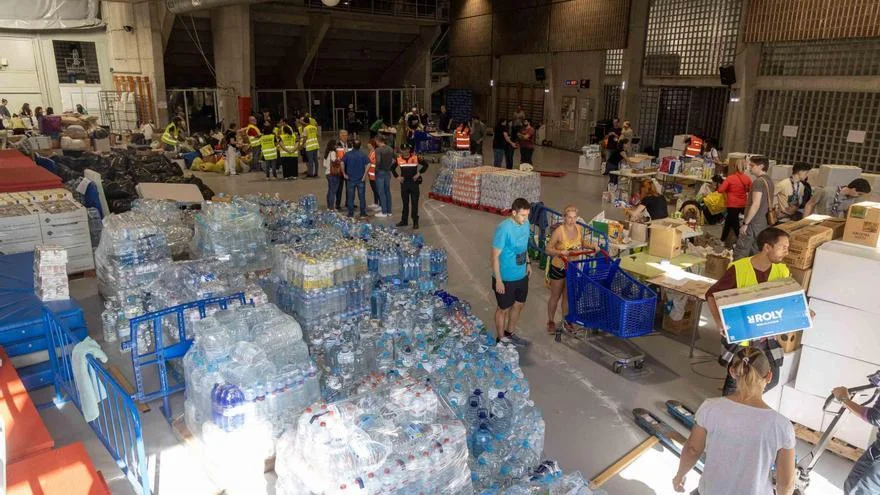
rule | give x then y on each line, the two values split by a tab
269	150
171	134
463	137
310	134
763	267
566	239
288	150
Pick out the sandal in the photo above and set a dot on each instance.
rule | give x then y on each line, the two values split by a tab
551	327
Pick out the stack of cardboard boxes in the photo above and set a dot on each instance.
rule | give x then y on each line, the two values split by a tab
843	347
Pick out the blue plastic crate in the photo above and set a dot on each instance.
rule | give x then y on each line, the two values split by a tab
601	296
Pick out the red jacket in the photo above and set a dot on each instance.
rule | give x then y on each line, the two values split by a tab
736	187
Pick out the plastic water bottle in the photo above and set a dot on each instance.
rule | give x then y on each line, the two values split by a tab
227	401
457	398
482	440
501	411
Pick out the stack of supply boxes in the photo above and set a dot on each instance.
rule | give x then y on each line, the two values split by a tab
843	347
466	184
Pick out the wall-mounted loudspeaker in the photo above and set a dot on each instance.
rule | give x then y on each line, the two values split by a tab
540	75
728	75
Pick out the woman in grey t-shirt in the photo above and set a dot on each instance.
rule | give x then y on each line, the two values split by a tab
742	437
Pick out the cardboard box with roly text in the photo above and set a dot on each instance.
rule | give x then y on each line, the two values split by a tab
763	310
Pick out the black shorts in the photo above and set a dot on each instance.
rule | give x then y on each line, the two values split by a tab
556	273
515	291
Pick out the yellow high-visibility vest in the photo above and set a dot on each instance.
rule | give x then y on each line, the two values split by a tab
312	138
170	135
267	144
254	140
289	141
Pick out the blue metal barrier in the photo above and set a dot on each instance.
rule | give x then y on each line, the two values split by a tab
161	354
119	425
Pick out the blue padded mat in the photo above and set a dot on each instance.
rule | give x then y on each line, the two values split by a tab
21	319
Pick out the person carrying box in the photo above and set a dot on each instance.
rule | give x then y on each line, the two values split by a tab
763	267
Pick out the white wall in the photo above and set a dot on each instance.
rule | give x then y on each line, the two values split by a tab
31	75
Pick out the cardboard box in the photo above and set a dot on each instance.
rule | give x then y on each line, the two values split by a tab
847	274
685	325
790	341
802	275
837	225
678	141
790	227
763	310
844	331
831	176
665	237
807	409
716	266
779	172
803	244
664	152
787	372
863	224
823	370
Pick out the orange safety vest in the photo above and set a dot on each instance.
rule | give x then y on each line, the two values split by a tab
462	139
694	148
371	171
412	161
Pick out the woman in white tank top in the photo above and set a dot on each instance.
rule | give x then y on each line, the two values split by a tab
742	437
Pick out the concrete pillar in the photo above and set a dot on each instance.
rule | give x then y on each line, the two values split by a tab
233	58
738	118
633	57
137	46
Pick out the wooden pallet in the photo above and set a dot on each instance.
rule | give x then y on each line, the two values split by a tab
551	173
79	275
438	197
835	446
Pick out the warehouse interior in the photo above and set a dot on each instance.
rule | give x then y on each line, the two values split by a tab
791	80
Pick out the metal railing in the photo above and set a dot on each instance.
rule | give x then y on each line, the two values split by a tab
118	425
163	356
420	9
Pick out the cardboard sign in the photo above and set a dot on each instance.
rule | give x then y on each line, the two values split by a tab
763	310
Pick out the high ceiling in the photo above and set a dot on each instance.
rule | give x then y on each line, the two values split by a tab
353	53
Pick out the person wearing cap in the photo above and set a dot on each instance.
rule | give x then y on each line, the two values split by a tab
743	438
835	202
411	169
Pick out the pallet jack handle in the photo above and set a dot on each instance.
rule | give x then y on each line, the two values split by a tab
804	469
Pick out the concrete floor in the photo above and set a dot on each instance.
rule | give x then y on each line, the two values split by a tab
587	408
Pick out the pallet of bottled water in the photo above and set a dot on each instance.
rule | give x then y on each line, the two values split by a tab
443	183
399	438
168	216
131	255
498	190
454	160
466	184
232	232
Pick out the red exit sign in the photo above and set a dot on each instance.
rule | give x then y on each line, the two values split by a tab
570	83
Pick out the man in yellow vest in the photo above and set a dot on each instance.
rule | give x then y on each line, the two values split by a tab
288	150
269	150
310	134
172	133
745	272
253	135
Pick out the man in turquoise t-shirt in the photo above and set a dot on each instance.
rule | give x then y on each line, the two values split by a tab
510	271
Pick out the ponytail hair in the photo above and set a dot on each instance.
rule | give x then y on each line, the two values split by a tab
748	368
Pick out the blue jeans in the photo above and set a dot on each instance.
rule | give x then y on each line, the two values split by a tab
333	182
312	158
864	479
361	188
498	155
271	165
383	185
256	155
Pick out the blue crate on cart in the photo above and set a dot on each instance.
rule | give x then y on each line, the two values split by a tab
601	296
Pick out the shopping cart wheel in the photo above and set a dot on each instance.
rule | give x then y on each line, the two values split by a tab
617	367
639	364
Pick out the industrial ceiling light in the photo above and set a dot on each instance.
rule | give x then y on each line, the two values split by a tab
330	3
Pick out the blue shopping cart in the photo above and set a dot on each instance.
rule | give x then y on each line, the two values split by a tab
607	306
